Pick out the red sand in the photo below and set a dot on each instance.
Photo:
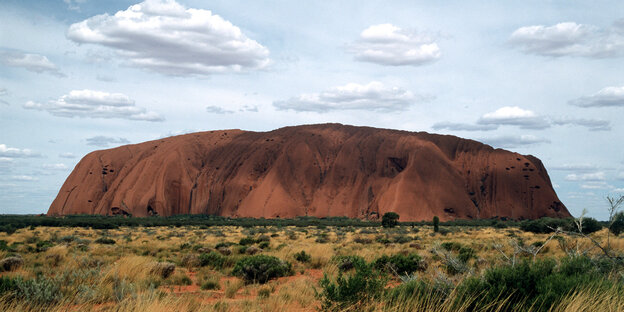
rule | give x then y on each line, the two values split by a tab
314	170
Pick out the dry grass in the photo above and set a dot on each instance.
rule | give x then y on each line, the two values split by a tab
118	277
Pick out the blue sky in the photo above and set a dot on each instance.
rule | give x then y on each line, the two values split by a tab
535	77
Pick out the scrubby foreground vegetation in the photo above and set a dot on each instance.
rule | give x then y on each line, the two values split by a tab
544	265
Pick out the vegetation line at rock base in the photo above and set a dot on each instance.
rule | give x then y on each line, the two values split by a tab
9	223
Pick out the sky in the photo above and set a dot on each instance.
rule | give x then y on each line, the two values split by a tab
535	77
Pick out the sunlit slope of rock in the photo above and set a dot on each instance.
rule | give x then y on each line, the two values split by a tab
313	170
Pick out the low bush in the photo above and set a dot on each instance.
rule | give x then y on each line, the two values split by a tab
451	246
11	263
362	240
162	269
401	239
541	284
346	263
261	268
400	264
38	291
212	259
302	256
246	241
616	227
8	285
466	253
264	245
104	240
351	290
211	285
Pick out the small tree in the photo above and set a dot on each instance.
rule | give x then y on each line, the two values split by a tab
436	224
390	219
617	225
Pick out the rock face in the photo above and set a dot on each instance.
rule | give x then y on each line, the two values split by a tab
314	170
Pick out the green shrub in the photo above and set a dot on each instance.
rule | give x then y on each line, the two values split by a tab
302	256
390	219
401	239
104	240
212	259
590	225
400	296
399	264
322	238
466	253
210	285
541	284
225	244
38	291
362	240
246	241
436	224
451	246
261	268
382	239
8	285
5	247
264	245
617	226
350	290
346	263
264	293
263	238
544	225
241	249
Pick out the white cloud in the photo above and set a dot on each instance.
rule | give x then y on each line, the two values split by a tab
95	104
12	152
591	124
462	126
570	39
594	176
618	190
374	96
3	92
218	110
104	141
105	78
386	44
166	37
31	62
515	116
213	109
574	167
25	178
525	119
621	176
58	166
74	5
67	155
596	185
514	141
609	96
